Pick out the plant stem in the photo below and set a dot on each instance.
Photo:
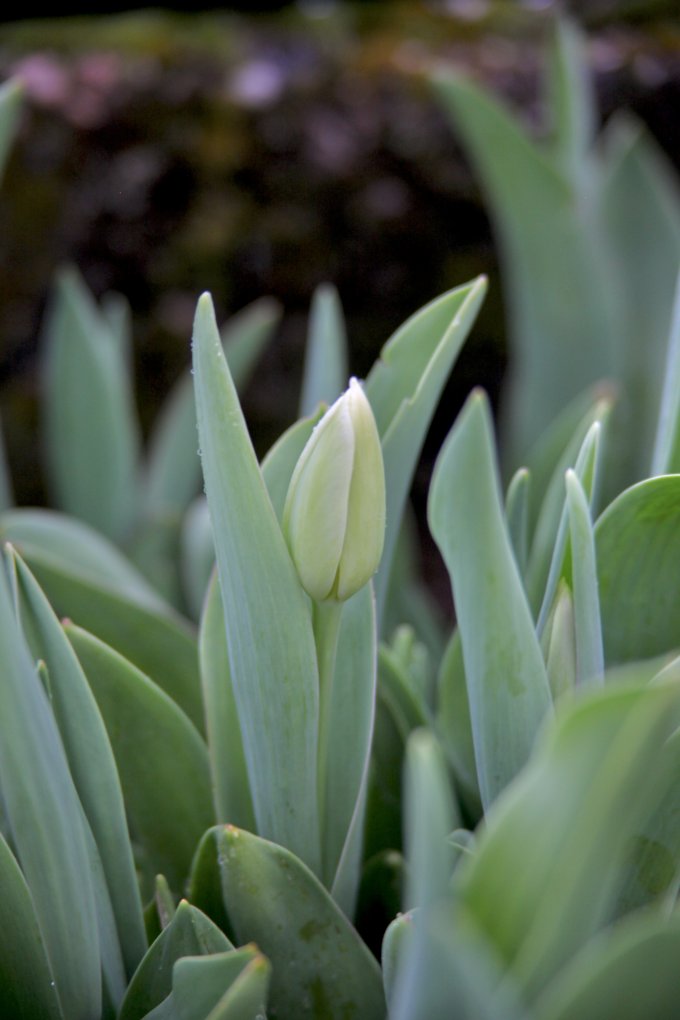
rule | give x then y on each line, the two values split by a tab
327	616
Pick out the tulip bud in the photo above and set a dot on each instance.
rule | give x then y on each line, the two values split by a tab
334	516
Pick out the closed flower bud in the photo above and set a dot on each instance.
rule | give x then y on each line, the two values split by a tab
334	517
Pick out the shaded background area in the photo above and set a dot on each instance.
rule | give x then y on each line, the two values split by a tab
251	154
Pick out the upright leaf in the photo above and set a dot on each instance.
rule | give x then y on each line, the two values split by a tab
91	430
90	759
533	201
536	885
162	760
404	387
27	988
507	684
325	373
45	821
637	541
267	620
321	968
174	470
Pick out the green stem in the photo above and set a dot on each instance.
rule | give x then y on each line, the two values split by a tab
327	616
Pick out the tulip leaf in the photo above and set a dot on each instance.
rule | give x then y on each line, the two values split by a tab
454	725
586	469
627	972
666	455
190	933
27	989
197	552
90	758
74	547
320	967
268	625
404	387
351	713
89	587
91	429
637	541
231	789
532	202
571	103
45	820
508	688
517	516
641	215
221	986
430	817
534	885
325	372
156	749
174	469
446	968
587	627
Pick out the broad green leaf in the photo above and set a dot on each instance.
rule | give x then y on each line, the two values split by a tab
90	759
320	967
113	970
229	773
197	551
45	821
540	884
91	429
383	809
351	715
75	548
507	684
325	372
666	455
517	516
532	203
641	213
162	760
559	642
652	867
637	541
202	986
571	104
190	933
395	941
269	632
145	631
247	995
10	105
406	704
430	816
628	972
555	451
454	725
586	469
586	603
404	387
174	469
447	970
27	989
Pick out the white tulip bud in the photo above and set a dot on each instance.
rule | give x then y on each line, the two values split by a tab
334	516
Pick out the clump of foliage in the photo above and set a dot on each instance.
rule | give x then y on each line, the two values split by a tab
207	822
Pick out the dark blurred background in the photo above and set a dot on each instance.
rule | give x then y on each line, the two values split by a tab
263	150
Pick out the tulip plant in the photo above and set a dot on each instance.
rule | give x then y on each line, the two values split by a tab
244	773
